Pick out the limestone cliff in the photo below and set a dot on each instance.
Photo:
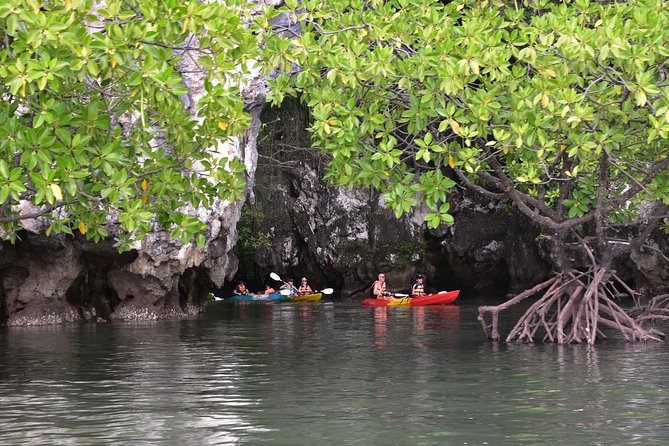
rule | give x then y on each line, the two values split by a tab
46	280
344	238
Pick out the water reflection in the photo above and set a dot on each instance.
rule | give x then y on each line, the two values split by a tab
381	327
124	383
440	317
315	374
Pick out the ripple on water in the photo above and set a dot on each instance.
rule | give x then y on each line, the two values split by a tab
337	374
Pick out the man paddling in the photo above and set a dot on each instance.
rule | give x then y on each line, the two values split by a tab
289	286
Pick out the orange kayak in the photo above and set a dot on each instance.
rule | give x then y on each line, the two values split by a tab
442	298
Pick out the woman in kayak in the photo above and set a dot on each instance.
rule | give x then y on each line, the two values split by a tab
304	288
380	289
418	287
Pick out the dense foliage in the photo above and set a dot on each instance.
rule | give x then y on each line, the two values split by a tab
560	106
97	123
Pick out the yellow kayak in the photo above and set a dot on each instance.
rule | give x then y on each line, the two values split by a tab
313	298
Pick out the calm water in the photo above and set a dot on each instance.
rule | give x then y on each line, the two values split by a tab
324	375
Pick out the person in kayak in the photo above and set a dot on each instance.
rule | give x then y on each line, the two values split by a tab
380	288
418	287
241	290
304	288
290	287
269	289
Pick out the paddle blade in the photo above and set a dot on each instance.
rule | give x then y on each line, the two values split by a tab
275	276
327	291
218	298
285	292
400	295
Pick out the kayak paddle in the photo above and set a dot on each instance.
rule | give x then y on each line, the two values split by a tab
324	291
276	277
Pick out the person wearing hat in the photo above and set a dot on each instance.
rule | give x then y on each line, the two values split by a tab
418	287
289	286
305	289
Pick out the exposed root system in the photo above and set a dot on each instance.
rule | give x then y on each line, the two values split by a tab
657	310
573	309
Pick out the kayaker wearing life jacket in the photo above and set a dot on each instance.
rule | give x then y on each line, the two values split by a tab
418	287
379	288
241	289
289	286
304	288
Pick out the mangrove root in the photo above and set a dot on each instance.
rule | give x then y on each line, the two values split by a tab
572	309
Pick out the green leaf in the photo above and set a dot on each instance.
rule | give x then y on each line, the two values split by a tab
4	194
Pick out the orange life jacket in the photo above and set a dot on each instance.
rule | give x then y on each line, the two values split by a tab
382	288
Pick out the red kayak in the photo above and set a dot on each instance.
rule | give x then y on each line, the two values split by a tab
441	298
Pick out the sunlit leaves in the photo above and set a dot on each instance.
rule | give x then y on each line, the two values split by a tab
93	123
545	94
56	192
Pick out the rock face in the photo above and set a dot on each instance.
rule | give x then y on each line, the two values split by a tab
45	280
491	249
345	238
34	275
